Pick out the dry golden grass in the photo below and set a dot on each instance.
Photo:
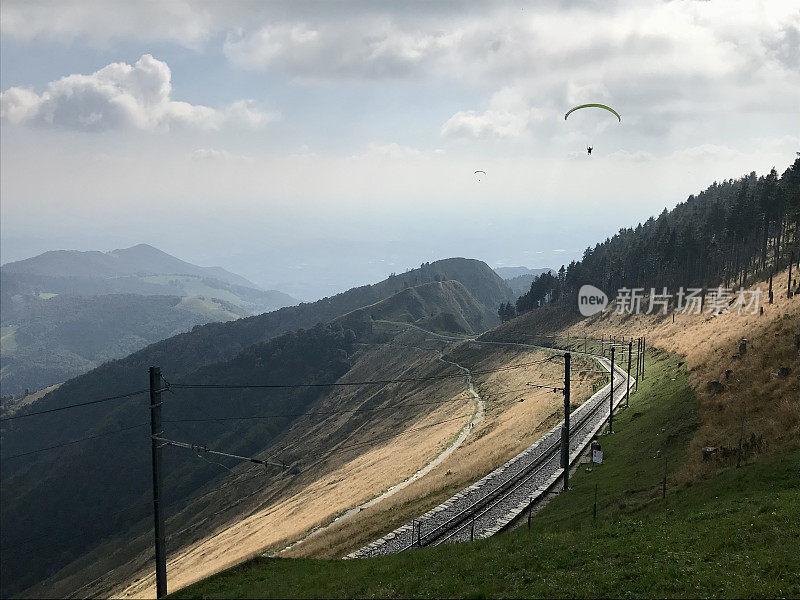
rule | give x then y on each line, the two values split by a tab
509	427
753	396
331	484
755	403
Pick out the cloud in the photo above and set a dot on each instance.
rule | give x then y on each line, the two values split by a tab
364	47
212	154
393	151
706	152
637	156
122	96
509	115
185	23
786	47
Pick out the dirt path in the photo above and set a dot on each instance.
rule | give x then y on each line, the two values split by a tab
477	417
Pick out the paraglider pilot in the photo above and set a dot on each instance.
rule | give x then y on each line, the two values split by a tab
589	150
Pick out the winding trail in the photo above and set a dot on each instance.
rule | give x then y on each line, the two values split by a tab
477	417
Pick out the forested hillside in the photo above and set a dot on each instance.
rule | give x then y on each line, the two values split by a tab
47	341
114	466
729	234
103	484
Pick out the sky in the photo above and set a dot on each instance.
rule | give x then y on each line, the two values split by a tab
313	146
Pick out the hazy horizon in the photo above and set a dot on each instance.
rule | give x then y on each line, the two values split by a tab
320	146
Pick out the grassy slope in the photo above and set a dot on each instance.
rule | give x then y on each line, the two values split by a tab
733	534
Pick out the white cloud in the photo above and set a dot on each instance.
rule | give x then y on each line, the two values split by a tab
509	115
366	47
212	154
186	23
393	151
122	96
247	114
706	152
658	64
636	156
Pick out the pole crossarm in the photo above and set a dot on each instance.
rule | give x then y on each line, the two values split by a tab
206	449
545	387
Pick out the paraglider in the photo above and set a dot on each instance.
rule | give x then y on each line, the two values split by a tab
593	105
603	106
479	173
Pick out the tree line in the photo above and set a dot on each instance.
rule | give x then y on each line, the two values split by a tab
734	232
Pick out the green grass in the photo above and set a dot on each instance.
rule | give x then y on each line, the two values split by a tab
734	534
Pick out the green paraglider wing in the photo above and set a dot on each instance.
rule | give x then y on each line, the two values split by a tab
608	108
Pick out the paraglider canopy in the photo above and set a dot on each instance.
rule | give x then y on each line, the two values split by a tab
603	106
479	174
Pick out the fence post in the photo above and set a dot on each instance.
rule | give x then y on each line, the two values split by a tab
611	396
565	428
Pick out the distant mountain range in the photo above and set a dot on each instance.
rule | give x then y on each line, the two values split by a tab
316	341
65	312
140	269
519	279
139	260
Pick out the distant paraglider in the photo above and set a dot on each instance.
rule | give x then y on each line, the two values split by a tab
589	150
479	174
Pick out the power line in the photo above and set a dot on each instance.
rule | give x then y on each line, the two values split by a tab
91	437
52	410
342	411
229	386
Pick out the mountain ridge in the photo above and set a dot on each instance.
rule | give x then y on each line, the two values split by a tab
140	258
204	350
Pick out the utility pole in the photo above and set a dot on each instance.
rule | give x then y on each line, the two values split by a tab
611	396
565	428
628	383
638	360
155	448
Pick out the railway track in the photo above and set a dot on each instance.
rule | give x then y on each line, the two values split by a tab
481	509
476	512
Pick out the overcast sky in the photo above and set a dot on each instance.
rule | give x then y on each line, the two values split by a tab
314	146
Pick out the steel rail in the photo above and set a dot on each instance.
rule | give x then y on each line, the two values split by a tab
502	491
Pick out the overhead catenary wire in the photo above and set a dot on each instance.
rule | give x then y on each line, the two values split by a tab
71	442
334	412
235	386
69	406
